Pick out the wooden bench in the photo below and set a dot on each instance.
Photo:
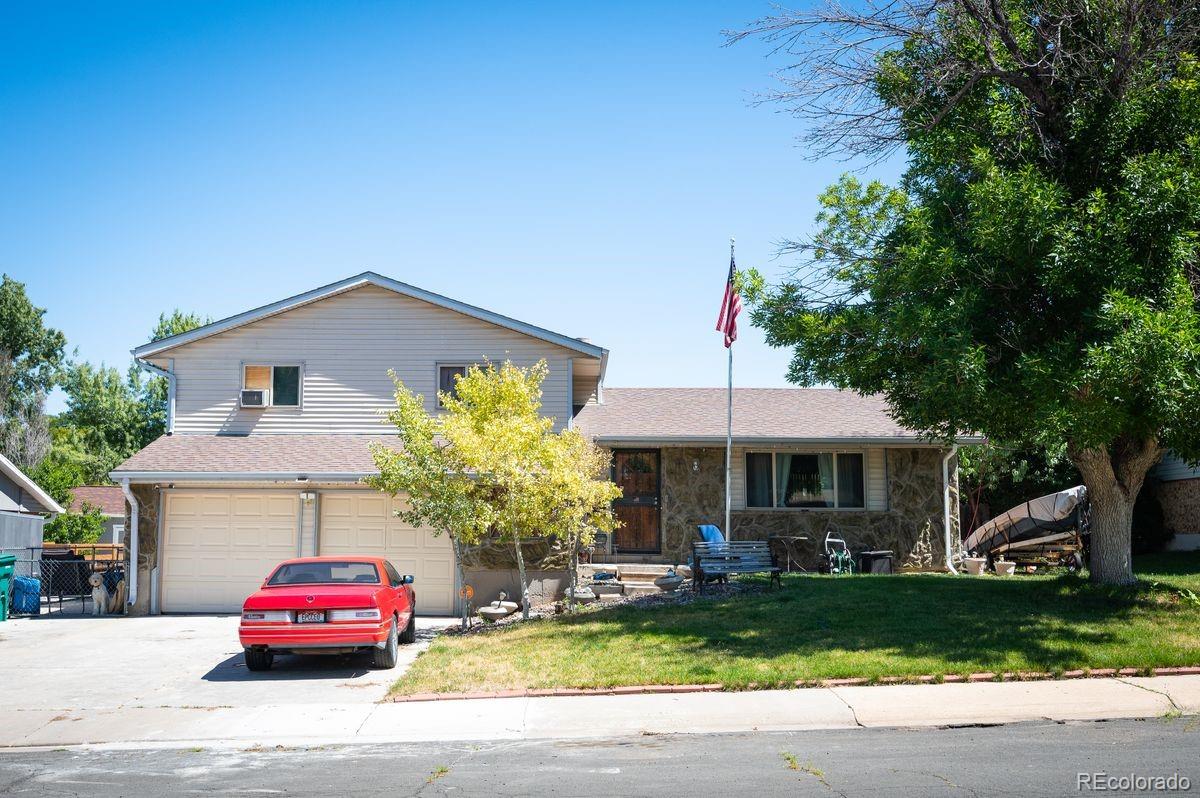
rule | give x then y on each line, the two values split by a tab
715	560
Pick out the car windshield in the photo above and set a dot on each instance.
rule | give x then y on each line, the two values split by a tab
325	572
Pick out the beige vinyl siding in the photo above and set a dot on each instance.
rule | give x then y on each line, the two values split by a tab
584	390
1174	468
877	492
345	345
875	476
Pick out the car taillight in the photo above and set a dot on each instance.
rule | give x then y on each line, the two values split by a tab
371	614
266	615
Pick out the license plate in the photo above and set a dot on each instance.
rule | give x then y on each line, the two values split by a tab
311	616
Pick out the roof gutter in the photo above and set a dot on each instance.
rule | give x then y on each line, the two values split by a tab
946	505
764	440
237	476
170	378
133	540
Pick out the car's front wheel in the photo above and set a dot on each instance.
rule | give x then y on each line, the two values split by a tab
386	657
409	635
258	659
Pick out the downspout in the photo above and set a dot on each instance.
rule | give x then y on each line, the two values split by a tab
946	505
169	376
133	539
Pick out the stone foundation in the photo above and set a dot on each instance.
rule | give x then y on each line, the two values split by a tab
148	508
693	492
1180	500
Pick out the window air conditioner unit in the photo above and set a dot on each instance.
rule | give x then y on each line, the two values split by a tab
255	397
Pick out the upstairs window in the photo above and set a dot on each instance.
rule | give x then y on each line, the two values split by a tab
794	480
448	375
282	381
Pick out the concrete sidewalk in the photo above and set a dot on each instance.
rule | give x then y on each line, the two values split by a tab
604	716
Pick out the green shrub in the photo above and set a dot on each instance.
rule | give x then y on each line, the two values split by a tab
85	526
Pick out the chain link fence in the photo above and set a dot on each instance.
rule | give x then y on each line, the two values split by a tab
61	582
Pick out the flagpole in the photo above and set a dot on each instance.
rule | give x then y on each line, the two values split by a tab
729	435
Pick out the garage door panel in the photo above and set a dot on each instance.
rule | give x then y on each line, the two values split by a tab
366	524
438	569
217	548
403	538
212	505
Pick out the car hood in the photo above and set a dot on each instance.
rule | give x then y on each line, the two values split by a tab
323	597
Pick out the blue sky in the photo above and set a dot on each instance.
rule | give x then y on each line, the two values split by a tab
577	166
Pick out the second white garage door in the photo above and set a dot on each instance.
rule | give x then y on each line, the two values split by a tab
365	523
219	546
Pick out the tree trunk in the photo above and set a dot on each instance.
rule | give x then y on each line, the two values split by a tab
1114	476
462	580
572	571
521	576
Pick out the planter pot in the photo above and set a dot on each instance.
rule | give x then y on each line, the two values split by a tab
975	565
669	584
508	606
1005	568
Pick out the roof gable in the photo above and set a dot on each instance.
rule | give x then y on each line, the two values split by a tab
153	348
27	485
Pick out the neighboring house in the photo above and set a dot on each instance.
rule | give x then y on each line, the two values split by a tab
1178	490
271	414
110	501
23	510
805	462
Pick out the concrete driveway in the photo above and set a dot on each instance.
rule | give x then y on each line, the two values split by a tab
194	661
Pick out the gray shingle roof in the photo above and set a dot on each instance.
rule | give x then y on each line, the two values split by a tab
759	415
259	456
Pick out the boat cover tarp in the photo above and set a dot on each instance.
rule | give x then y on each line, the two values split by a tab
1054	515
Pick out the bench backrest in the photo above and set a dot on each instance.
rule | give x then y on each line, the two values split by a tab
736	555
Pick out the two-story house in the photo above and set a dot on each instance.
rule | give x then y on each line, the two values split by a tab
271	413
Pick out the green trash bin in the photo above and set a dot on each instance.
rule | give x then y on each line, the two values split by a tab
8	564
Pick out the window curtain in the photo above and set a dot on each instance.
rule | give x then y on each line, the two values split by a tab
850	480
758	480
804	480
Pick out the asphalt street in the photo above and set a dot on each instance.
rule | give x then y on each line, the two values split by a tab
1024	759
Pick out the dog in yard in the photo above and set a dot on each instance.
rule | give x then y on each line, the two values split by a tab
99	594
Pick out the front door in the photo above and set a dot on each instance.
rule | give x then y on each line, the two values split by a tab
636	472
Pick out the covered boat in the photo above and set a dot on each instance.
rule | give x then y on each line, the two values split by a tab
1049	528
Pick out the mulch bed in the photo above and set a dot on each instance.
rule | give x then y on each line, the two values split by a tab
557	609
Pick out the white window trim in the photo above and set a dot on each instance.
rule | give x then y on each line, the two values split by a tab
437	377
299	365
774	480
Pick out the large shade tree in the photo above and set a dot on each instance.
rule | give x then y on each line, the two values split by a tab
1034	274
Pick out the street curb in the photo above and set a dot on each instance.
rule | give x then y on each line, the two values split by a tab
657	689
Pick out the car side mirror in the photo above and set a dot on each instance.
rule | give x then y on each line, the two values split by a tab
407	579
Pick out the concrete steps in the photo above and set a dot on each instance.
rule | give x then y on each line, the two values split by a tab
632	578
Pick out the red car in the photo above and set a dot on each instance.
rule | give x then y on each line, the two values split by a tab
329	605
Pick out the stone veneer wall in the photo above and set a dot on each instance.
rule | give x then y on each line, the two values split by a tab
1180	500
148	506
691	497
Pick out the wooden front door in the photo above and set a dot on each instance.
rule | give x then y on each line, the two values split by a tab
637	473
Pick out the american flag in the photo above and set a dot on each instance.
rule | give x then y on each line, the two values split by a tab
731	306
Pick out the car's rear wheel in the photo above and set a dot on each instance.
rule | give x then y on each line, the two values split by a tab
386	657
258	659
409	635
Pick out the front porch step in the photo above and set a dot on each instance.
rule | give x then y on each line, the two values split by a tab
640	588
648	573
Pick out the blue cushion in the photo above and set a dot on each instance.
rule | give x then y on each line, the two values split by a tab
710	533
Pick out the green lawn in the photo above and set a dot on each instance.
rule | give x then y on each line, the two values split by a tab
830	627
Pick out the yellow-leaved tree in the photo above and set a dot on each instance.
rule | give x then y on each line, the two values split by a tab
491	463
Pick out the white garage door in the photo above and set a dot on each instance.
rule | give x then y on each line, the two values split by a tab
219	546
365	523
